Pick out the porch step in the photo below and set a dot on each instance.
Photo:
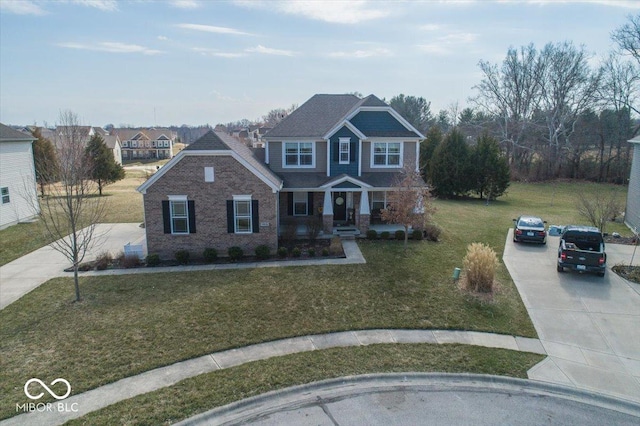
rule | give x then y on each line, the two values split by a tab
346	232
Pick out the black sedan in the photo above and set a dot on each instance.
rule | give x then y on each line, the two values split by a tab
529	229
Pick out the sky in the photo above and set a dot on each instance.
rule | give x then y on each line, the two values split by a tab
160	63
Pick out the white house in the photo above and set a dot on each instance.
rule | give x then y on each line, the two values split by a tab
18	192
632	213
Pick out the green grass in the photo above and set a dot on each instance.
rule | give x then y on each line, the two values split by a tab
196	395
124	204
129	324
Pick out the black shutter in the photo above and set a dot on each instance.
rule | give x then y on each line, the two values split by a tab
310	203
289	203
166	216
336	151
352	154
230	224
191	205
255	216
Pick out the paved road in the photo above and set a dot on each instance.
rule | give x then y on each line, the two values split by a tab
589	326
423	399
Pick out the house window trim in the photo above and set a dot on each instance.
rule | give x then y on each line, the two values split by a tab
179	199
4	193
298	165
209	174
304	200
373	200
344	142
249	215
386	154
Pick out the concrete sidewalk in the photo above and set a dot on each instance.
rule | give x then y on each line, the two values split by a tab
166	376
19	277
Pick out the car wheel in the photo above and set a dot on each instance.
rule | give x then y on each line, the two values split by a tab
560	268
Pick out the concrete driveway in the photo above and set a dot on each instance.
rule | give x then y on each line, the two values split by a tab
19	277
589	326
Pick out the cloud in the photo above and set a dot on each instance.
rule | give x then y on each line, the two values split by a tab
106	5
163	38
431	27
627	4
185	4
111	47
359	54
338	12
448	44
211	29
269	51
205	51
21	7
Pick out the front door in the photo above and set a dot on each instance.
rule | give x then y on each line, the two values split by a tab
339	206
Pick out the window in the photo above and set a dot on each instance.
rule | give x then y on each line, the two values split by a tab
179	217
387	154
377	200
298	154
4	192
300	206
242	216
345	151
208	174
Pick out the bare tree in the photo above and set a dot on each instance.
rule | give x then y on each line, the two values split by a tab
627	38
568	89
409	202
598	207
72	209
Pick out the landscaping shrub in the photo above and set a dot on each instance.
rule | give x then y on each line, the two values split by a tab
480	265
433	232
289	229
282	252
325	252
311	252
263	252
235	253
314	226
84	267
153	260
399	235
103	261
416	235
335	248
130	261
296	252
372	234
385	235
182	257
210	255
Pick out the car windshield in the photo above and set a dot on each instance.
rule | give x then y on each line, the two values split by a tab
533	222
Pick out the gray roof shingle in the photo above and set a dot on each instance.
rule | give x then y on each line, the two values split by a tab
208	142
8	134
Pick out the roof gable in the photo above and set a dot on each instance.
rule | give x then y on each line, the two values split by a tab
208	141
380	124
7	134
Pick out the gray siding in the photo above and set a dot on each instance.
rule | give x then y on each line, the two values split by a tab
275	159
17	173
408	157
632	215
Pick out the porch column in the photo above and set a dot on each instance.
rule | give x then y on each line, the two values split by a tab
365	211
327	213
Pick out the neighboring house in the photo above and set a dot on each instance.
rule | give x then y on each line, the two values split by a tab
145	144
332	160
632	212
113	143
213	194
256	136
18	193
86	132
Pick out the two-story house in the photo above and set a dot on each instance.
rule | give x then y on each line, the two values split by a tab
145	144
334	158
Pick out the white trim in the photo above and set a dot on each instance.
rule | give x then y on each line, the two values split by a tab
187	153
177	197
327	208
172	216
350	179
417	156
209	174
346	123
364	202
266	153
328	141
341	142
359	157
387	166
298	166
242	198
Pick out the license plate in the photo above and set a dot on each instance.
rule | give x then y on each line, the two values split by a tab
581	268
530	234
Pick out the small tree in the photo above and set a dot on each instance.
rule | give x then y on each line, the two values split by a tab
598	207
104	169
71	211
44	159
409	202
450	166
490	168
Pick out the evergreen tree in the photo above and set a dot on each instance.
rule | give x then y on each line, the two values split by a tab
490	168
104	169
427	148
44	159
451	171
